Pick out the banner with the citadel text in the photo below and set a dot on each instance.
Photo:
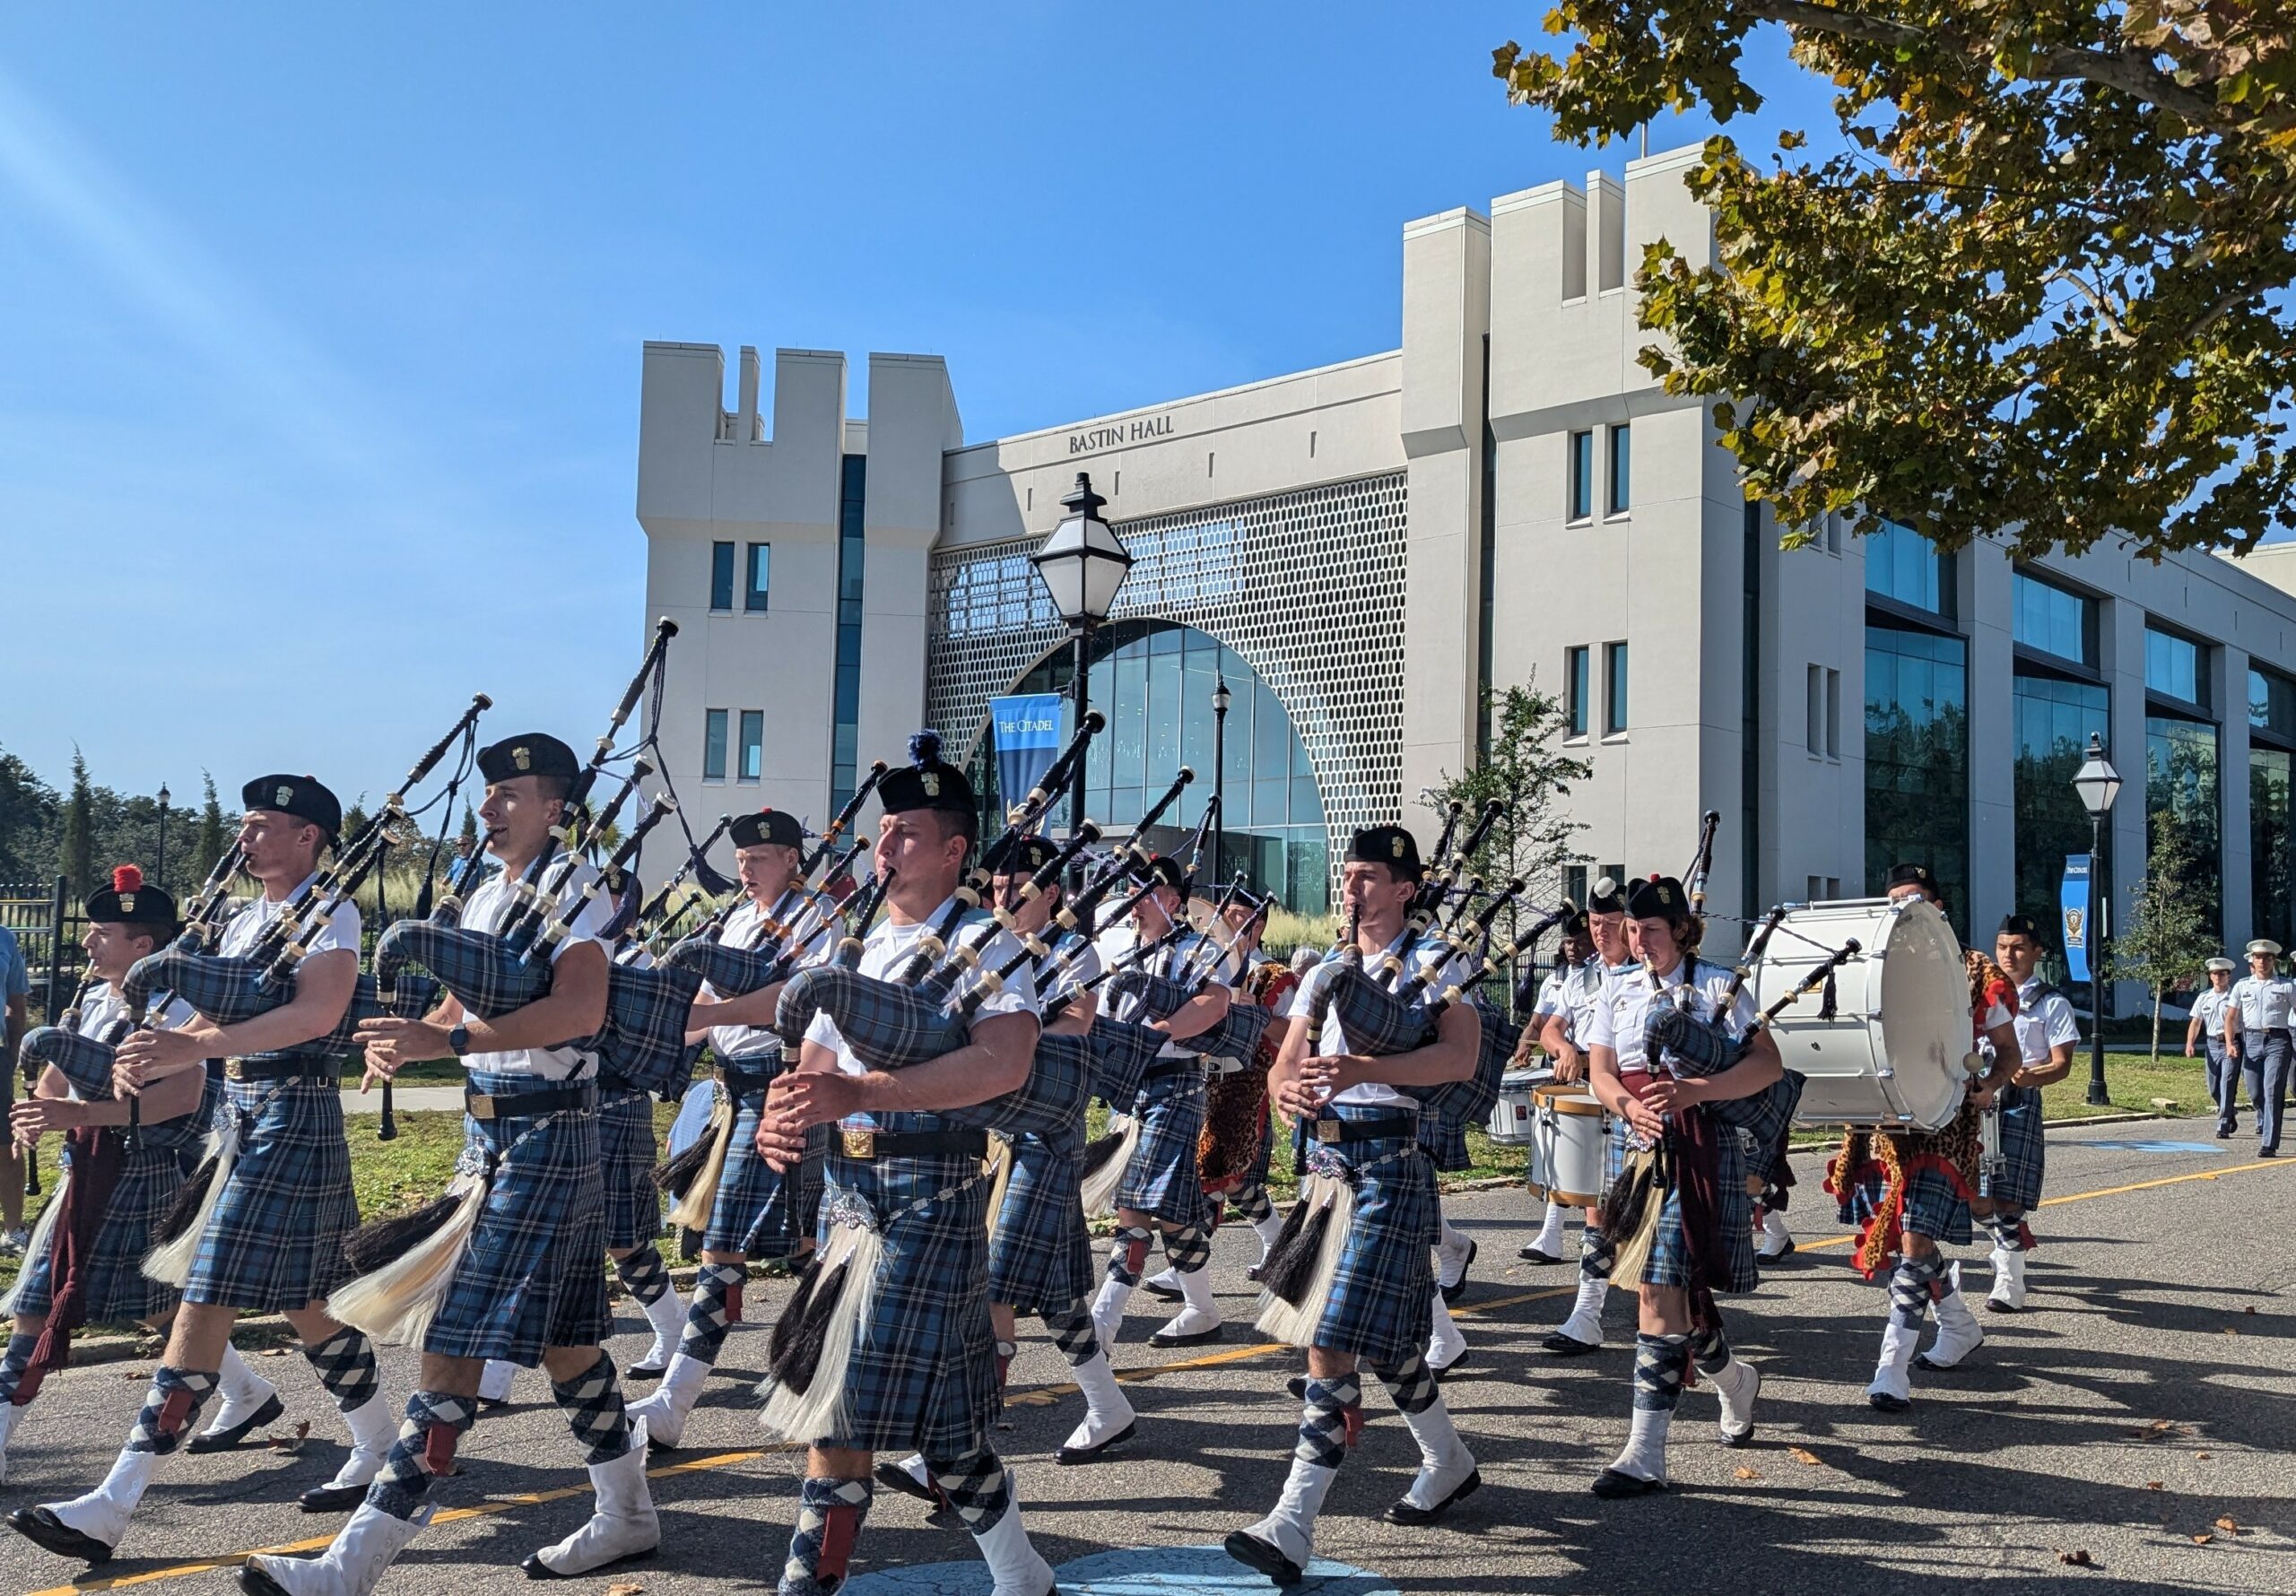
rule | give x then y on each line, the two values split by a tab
1028	740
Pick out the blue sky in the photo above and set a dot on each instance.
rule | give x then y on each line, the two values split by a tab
318	406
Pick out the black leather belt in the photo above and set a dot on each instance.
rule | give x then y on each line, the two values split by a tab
257	1069
862	1145
549	1099
744	1083
1165	1068
1402	1126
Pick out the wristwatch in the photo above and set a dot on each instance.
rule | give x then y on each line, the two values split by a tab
458	1039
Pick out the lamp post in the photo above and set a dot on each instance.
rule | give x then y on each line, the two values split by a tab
1220	698
2098	785
1081	563
162	871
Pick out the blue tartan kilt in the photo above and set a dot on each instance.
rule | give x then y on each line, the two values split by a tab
1382	1296
753	1212
923	1372
532	1276
1669	1260
119	1291
1933	1207
1041	1253
1446	1141
1258	1175
2024	1150
275	1237
1162	1178
633	1203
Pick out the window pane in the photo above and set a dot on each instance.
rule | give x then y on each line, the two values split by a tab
1614	678
2054	720
761	573
721	576
2272	705
713	745
752	744
2053	620
1622	457
2180	787
1901	564
2172	665
1582	475
1575	671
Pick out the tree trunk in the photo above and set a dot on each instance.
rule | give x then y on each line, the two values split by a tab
2156	1024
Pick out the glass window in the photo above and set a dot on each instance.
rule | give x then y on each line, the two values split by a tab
2180	780
1577	672
1621	465
1614	687
2054	720
1582	476
2172	667
1917	760
844	719
1164	711
1574	884
760	577
721	576
1901	564
2271	846
752	744
2053	620
713	745
2271	705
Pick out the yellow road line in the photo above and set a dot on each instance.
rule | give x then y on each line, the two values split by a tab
1035	1396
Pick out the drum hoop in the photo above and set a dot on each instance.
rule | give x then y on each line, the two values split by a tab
1567	1098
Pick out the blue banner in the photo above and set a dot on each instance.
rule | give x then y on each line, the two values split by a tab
2079	912
1028	740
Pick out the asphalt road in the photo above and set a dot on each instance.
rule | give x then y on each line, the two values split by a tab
2146	1398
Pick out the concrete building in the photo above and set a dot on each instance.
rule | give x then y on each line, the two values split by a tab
1360	550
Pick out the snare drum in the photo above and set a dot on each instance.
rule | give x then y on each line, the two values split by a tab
1893	1054
1510	1116
1568	1134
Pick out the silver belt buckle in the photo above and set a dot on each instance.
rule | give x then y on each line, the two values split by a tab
859	1143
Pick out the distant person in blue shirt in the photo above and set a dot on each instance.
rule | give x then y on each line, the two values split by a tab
15	985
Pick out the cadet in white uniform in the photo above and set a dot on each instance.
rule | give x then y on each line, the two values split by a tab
2207	1031
2257	1038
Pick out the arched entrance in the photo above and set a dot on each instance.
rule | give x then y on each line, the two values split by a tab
1155	681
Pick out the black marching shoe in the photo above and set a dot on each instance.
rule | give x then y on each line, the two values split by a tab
1882	1402
255	1581
1253	1552
1613	1485
1199	1337
271	1412
1529	1253
645	1371
1072	1455
1563	1346
332	1498
50	1533
1409	1512
1452	1292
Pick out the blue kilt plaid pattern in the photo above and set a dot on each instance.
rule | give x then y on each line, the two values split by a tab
643	1041
119	1291
1382	1296
532	1276
1669	1264
1041	1254
923	1372
1117	1053
1162	1178
633	1203
2024	1150
274	1240
1933	1207
1049	1103
752	1214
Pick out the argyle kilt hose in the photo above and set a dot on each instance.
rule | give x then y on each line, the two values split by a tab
1162	1178
1382	1296
633	1203
274	1240
1669	1262
1041	1254
2024	1150
923	1371
531	1277
118	1291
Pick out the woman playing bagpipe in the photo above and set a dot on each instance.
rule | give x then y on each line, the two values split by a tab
1909	1192
889	1346
1679	1226
747	1207
85	1263
1161	1191
506	1265
264	1220
1353	1278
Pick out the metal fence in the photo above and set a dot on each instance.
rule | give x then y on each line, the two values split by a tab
47	922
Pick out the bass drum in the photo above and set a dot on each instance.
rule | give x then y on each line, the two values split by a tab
1894	1055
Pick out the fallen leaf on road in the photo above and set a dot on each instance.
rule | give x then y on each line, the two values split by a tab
2251	1308
272	1352
1802	1455
2202	1539
2228	1524
626	1587
2155	1430
2078	1558
2202	1455
293	1442
1743	1473
2231	1332
2151	1485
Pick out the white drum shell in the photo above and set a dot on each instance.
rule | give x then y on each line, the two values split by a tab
1893	1055
1510	1116
1567	1149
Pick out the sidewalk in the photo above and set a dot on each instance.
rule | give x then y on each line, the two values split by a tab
405	1099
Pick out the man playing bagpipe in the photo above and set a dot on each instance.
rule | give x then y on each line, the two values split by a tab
1162	1189
2046	1039
509	1267
266	1234
1570	1022
1679	1226
85	1263
1911	1193
1354	1281
889	1346
753	1208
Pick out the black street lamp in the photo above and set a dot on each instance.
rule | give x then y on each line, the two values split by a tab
1220	698
1082	562
162	871
2098	783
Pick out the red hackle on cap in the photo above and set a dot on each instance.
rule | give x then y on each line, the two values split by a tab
125	877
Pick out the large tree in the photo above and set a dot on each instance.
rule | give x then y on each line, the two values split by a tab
2035	290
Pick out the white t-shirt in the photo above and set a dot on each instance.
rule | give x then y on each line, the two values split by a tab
486	910
2044	1021
1087	965
734	1041
1334	1041
888	948
105	1008
2265	1003
1576	992
340	930
1617	1021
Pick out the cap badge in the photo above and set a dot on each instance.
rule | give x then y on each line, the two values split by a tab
283	796
1396	847
128	903
931	783
521	758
